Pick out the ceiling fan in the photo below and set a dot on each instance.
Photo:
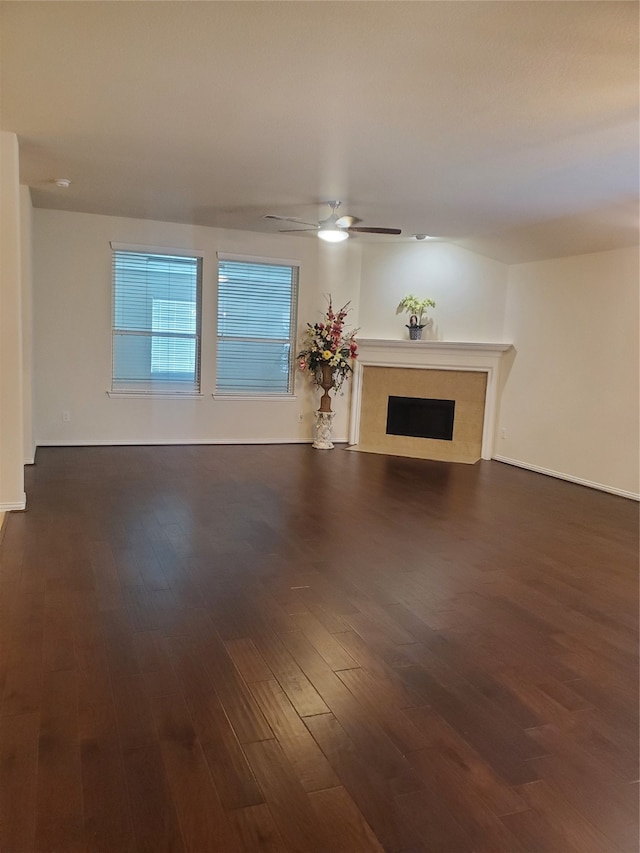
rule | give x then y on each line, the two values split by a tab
335	228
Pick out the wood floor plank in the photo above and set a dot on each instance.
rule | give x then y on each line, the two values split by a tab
291	809
347	830
364	731
18	765
300	691
325	604
604	799
569	827
107	821
59	816
591	733
456	664
155	821
91	662
200	812
546	705
542	610
325	644
106	581
456	792
246	718
372	660
58	639
118	644
257	831
372	620
133	713
539	835
310	766
154	663
563	695
234	779
604	683
449	749
22	688
430	825
367	787
248	660
397	726
500	743
21	654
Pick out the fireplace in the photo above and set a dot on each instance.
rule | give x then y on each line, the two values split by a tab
463	376
420	417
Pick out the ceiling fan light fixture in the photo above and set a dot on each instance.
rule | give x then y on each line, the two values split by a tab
331	234
333	229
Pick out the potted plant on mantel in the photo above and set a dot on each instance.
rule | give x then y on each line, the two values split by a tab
417	309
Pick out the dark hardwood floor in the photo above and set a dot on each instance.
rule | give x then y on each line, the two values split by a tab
234	648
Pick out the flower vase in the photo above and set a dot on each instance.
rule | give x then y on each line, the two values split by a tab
326	383
324	415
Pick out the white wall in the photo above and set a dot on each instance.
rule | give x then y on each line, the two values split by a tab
12	494
72	334
468	289
570	402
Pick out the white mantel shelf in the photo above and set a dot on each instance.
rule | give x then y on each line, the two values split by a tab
433	346
434	355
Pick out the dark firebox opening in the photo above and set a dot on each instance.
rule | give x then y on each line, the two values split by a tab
420	417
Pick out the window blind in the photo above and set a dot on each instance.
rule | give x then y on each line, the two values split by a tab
256	327
156	322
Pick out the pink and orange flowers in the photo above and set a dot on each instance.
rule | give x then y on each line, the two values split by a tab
327	343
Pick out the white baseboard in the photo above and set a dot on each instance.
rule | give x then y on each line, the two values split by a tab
172	442
12	506
560	476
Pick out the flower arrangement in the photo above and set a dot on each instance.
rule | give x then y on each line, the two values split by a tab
328	344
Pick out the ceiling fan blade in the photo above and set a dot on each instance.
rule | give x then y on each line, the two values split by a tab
347	221
295	230
376	230
289	219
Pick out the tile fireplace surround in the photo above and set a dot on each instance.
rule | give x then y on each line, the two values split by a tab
427	368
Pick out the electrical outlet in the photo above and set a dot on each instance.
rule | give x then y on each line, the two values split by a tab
503	433
66	417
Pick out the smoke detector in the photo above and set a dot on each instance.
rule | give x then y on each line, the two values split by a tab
63	183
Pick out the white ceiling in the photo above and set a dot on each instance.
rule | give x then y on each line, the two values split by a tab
508	127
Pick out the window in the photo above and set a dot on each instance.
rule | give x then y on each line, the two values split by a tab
156	322
256	326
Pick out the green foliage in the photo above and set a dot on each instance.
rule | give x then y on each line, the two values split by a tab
412	305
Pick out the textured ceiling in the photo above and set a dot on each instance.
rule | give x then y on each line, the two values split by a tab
508	127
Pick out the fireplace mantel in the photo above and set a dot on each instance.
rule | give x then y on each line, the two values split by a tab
433	355
418	350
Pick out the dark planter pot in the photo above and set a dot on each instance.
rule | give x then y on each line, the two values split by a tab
415	333
326	384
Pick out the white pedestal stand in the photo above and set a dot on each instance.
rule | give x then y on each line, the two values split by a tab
324	426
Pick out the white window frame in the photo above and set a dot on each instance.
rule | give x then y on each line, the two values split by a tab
163	388
291	340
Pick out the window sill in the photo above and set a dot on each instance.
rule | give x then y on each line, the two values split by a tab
257	398
155	395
